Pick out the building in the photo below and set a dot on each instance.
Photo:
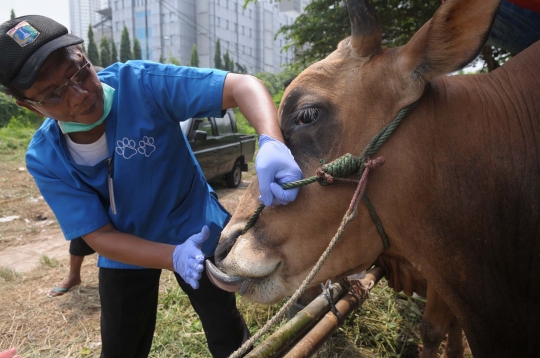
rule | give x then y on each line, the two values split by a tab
83	13
168	29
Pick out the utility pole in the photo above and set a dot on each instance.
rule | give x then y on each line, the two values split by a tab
146	27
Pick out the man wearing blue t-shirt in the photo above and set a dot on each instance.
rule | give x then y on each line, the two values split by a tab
114	166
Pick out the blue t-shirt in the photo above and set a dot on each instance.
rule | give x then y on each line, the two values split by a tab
160	191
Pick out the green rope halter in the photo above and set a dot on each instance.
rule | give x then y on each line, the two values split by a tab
345	166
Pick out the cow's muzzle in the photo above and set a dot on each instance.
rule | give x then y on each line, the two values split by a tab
222	280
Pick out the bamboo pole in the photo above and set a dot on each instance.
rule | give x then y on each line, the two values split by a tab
330	323
298	325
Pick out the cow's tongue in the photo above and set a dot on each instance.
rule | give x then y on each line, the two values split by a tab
222	280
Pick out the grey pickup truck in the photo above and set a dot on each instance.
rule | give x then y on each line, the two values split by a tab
220	150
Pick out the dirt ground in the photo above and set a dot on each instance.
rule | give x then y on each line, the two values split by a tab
34	258
28	228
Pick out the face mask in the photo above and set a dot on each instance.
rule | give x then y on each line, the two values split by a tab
108	96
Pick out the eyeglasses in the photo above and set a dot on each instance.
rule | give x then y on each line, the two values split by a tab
57	95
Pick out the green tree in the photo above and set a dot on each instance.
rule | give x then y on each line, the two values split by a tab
274	82
114	52
241	69
161	59
105	52
194	61
125	46
324	23
93	54
173	60
228	63
137	51
217	56
12	14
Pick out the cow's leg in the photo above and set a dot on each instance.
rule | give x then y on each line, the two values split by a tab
454	341
435	323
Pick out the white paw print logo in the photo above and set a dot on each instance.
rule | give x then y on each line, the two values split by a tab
146	146
126	148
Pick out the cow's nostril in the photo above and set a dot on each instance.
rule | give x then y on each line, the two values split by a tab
224	247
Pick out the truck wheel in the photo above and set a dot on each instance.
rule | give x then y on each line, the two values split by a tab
234	178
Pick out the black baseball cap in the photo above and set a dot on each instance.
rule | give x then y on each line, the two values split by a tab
25	43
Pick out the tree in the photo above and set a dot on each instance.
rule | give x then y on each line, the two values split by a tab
217	56
114	52
173	60
317	32
161	59
228	63
241	69
125	46
12	14
93	54
274	82
105	52
137	51
194	61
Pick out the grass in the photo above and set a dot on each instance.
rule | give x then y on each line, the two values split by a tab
15	137
386	326
68	326
8	274
49	261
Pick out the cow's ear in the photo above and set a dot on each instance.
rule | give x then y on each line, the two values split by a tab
365	28
450	40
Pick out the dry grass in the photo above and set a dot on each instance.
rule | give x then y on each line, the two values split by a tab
43	327
68	326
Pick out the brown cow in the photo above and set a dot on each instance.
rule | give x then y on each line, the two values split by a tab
459	195
438	320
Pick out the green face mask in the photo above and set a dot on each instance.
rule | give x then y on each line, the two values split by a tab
108	96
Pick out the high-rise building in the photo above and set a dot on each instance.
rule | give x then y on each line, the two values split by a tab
168	29
82	14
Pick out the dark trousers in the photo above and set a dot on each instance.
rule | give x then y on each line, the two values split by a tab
129	305
79	247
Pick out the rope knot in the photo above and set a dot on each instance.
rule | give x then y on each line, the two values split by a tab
374	163
323	177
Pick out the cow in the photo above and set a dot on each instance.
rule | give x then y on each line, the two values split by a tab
438	320
458	195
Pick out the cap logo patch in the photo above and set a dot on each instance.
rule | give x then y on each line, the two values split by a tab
24	33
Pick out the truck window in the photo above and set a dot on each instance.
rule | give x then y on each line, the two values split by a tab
203	124
223	125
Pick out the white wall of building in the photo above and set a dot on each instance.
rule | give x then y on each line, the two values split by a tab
83	14
173	26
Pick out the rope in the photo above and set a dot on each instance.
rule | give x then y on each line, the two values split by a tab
341	167
347	218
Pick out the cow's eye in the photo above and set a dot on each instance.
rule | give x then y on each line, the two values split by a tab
305	116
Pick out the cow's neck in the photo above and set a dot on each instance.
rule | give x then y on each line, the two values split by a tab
466	163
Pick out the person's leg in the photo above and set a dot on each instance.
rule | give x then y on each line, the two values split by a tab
78	249
128	311
223	324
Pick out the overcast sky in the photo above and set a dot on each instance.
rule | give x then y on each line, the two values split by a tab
55	9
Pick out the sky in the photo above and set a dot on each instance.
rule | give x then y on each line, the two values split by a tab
55	9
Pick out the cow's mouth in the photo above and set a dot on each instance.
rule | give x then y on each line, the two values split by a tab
238	284
222	280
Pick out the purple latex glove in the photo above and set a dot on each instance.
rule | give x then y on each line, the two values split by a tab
188	258
275	165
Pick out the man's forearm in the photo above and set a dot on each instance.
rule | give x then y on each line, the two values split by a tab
130	249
